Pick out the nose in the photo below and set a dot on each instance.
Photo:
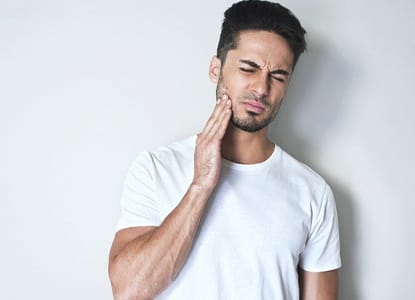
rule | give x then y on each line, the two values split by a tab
261	85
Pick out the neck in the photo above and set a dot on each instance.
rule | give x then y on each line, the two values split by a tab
246	147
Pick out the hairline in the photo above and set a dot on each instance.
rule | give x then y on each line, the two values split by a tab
238	37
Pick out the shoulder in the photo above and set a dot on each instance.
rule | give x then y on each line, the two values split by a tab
300	174
180	152
310	189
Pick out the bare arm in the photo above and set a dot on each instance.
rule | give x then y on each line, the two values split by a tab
318	285
145	260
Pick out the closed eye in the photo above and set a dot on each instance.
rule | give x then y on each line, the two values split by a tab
278	78
247	70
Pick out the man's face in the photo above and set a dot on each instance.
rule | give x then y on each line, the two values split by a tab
255	76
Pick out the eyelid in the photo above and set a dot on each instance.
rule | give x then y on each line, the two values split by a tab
273	76
251	70
278	78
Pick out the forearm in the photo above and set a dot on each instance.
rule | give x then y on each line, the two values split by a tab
147	264
143	263
318	285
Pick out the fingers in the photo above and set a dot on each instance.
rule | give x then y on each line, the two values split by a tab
219	126
214	115
219	118
225	121
208	145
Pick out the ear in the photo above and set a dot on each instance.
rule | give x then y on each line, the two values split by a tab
214	69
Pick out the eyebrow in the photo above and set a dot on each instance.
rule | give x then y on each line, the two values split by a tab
256	66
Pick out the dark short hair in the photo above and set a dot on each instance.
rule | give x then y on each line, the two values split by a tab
260	15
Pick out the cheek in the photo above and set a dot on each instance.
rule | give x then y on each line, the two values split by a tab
278	92
235	86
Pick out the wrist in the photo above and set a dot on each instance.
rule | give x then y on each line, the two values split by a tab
200	188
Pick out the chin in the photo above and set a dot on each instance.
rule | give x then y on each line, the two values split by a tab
249	125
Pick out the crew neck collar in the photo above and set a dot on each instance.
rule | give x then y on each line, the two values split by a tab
256	166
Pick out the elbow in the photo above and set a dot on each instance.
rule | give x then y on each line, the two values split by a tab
128	294
124	287
119	287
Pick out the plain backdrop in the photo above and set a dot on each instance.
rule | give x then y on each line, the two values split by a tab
86	85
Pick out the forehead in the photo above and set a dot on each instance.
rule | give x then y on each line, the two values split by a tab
264	47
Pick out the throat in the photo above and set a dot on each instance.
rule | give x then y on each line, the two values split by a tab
246	148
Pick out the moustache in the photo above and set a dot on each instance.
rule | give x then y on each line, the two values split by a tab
263	99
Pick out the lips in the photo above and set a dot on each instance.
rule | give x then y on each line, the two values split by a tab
254	106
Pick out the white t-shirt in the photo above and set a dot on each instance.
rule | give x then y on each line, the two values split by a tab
262	222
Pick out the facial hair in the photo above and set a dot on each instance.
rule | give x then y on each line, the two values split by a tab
250	123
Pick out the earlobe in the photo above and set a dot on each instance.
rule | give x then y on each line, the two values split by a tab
214	69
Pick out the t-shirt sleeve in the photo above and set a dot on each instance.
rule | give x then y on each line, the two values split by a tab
138	201
322	249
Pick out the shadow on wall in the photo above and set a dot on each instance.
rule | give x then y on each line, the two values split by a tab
312	105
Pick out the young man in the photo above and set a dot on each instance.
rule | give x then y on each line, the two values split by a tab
227	214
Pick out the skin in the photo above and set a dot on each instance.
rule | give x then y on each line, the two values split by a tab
241	82
145	260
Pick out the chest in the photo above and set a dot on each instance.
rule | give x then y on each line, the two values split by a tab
254	219
259	213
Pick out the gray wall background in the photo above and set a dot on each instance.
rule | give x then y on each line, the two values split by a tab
86	85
